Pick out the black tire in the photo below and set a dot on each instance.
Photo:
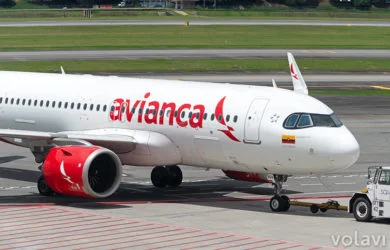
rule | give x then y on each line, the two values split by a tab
362	209
323	209
43	188
277	204
287	202
314	208
159	176
175	176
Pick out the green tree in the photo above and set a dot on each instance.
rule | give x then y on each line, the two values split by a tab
6	3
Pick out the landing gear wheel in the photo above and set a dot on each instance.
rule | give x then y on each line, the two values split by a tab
278	204
159	176
287	202
43	188
175	176
323	209
314	208
362	210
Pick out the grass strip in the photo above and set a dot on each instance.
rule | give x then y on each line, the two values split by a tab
26	11
197	65
170	37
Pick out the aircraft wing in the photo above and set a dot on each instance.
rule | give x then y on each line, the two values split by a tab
115	140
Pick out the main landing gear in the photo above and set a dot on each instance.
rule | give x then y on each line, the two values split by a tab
43	188
162	176
279	202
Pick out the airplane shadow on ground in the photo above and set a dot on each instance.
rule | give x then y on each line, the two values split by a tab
220	193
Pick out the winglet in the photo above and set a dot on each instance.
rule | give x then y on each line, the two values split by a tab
62	70
274	83
297	79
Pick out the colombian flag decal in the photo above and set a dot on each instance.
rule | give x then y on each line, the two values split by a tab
288	139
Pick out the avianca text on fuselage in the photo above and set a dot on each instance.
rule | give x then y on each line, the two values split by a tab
153	112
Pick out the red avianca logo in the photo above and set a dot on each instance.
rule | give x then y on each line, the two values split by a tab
293	72
153	112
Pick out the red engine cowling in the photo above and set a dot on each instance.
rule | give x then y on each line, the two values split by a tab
88	171
247	176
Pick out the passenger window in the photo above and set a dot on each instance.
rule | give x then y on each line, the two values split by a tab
1	99
291	121
212	117
189	114
53	104
235	119
59	104
29	102
41	104
78	105
183	114
6	100
91	107
205	116
72	105
161	112
17	101
98	107
85	106
175	113
305	121
140	111
12	100
35	102
23	102
104	108
197	115
47	103
66	105
220	118
227	118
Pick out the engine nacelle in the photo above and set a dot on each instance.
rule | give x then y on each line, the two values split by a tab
247	176
88	171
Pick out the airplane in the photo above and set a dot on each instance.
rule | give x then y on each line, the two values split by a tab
82	129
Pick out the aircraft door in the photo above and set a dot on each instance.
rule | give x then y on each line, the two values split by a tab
253	121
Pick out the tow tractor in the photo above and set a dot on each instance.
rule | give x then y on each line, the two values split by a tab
373	201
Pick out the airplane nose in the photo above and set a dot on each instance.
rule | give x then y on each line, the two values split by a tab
347	151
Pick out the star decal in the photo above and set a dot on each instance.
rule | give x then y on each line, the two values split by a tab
274	118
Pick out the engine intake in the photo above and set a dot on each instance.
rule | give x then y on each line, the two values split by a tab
88	171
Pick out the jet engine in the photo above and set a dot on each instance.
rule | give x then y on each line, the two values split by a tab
88	171
247	176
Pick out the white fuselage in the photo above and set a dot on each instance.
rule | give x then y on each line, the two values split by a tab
231	127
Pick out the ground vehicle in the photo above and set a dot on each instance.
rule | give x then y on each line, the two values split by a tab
373	201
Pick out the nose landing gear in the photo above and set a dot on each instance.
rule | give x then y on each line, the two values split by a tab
279	202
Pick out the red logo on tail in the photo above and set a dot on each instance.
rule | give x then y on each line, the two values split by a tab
293	72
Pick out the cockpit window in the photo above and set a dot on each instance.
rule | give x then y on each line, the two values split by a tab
323	120
291	121
336	120
305	120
